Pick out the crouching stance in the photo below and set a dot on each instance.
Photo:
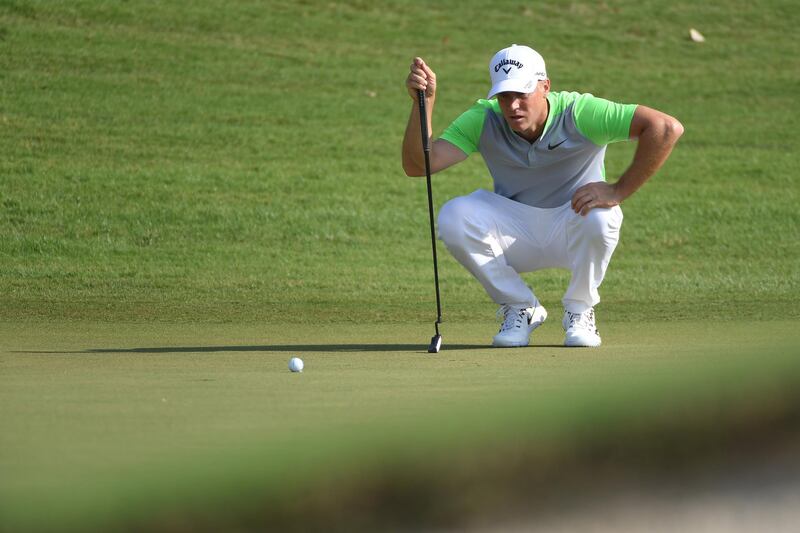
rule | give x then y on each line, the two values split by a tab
551	206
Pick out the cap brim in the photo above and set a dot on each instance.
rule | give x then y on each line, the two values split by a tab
515	85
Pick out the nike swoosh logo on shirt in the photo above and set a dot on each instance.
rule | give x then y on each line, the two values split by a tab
553	146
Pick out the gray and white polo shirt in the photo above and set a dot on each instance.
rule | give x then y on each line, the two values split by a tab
569	153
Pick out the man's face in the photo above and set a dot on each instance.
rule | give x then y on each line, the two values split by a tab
525	112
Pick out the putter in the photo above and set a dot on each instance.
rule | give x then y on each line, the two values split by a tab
436	340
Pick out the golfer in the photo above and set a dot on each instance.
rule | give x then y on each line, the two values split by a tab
551	205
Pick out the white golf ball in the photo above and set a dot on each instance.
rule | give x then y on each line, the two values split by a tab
296	364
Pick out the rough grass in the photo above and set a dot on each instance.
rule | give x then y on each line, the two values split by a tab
240	161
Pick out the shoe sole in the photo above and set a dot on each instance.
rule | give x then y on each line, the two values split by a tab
533	326
578	343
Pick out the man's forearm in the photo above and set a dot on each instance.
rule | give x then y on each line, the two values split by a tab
413	157
654	146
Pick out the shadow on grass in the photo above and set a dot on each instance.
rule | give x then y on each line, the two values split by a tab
318	348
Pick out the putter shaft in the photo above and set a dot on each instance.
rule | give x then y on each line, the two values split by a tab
426	147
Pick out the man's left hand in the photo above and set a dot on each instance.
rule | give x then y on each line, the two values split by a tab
591	195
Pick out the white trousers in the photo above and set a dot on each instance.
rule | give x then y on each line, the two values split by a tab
496	239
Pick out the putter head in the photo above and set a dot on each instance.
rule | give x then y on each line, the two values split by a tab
436	344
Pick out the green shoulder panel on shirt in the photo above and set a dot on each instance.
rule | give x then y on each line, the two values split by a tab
602	121
465	131
558	104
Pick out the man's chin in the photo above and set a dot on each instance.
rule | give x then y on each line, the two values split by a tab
515	125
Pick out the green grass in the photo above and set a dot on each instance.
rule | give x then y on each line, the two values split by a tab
191	193
107	425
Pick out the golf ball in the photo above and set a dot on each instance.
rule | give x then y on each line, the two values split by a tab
296	364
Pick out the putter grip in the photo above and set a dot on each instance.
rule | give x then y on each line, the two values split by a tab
423	120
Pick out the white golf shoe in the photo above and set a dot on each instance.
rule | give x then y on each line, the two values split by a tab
581	329
518	324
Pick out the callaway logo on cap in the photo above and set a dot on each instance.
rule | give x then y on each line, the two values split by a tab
516	69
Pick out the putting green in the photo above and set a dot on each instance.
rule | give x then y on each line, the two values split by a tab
118	424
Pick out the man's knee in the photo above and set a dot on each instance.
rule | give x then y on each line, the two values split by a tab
602	225
454	218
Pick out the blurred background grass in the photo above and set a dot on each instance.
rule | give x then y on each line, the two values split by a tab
239	161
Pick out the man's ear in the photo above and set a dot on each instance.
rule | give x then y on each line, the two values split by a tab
545	86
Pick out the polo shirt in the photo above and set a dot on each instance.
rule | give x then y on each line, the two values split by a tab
569	154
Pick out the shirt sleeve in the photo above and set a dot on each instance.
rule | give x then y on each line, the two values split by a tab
465	131
602	121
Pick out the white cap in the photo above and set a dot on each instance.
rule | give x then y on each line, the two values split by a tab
517	69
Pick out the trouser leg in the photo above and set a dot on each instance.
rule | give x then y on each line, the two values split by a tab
478	234
591	241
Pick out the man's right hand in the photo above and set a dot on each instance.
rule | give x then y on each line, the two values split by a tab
443	154
421	77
